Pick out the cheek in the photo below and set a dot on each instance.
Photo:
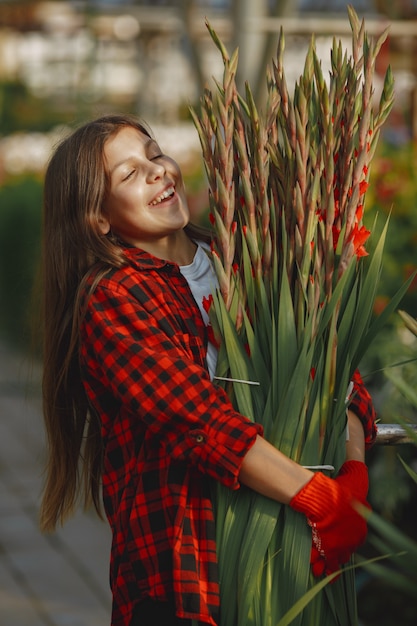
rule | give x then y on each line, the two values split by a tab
115	204
182	194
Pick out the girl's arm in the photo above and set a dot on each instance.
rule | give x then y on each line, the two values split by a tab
328	504
269	472
355	445
266	470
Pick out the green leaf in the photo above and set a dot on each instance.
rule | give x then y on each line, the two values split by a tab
408	469
239	364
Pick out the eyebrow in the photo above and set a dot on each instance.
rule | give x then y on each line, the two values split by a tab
129	158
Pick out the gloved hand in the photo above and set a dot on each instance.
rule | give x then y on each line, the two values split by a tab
337	528
354	475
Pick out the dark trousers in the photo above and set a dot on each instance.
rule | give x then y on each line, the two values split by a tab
153	613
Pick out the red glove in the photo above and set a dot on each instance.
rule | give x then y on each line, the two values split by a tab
337	528
354	475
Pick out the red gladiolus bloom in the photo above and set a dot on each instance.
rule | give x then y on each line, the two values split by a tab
212	337
336	233
359	212
361	252
363	186
359	237
207	302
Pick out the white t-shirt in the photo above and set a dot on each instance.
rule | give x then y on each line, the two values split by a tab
202	280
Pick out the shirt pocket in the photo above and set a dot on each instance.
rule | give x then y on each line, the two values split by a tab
194	347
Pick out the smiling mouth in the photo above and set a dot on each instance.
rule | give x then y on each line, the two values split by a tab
168	193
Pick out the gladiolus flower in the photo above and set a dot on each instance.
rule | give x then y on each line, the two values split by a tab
207	302
359	237
336	234
363	186
213	339
360	252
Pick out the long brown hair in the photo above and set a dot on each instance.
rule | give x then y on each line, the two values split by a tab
75	186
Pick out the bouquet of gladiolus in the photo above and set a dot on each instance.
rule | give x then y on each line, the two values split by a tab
297	272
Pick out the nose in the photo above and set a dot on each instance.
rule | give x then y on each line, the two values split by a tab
156	170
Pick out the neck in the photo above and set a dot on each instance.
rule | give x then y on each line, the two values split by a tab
179	249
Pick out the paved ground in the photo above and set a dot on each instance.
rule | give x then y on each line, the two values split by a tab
57	580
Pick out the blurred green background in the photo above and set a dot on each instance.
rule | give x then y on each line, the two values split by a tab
64	62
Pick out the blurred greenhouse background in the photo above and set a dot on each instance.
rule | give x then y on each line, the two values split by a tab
63	62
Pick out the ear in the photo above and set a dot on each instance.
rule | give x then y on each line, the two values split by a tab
103	224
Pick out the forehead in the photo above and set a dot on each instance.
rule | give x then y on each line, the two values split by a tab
125	139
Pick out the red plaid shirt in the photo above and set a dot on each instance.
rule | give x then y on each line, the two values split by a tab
167	429
361	404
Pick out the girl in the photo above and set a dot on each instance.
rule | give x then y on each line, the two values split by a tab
129	402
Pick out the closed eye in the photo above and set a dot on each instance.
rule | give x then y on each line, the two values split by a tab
128	175
153	150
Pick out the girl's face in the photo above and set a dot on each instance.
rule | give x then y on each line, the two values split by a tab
146	202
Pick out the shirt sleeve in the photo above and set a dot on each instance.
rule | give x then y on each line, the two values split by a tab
361	404
151	373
